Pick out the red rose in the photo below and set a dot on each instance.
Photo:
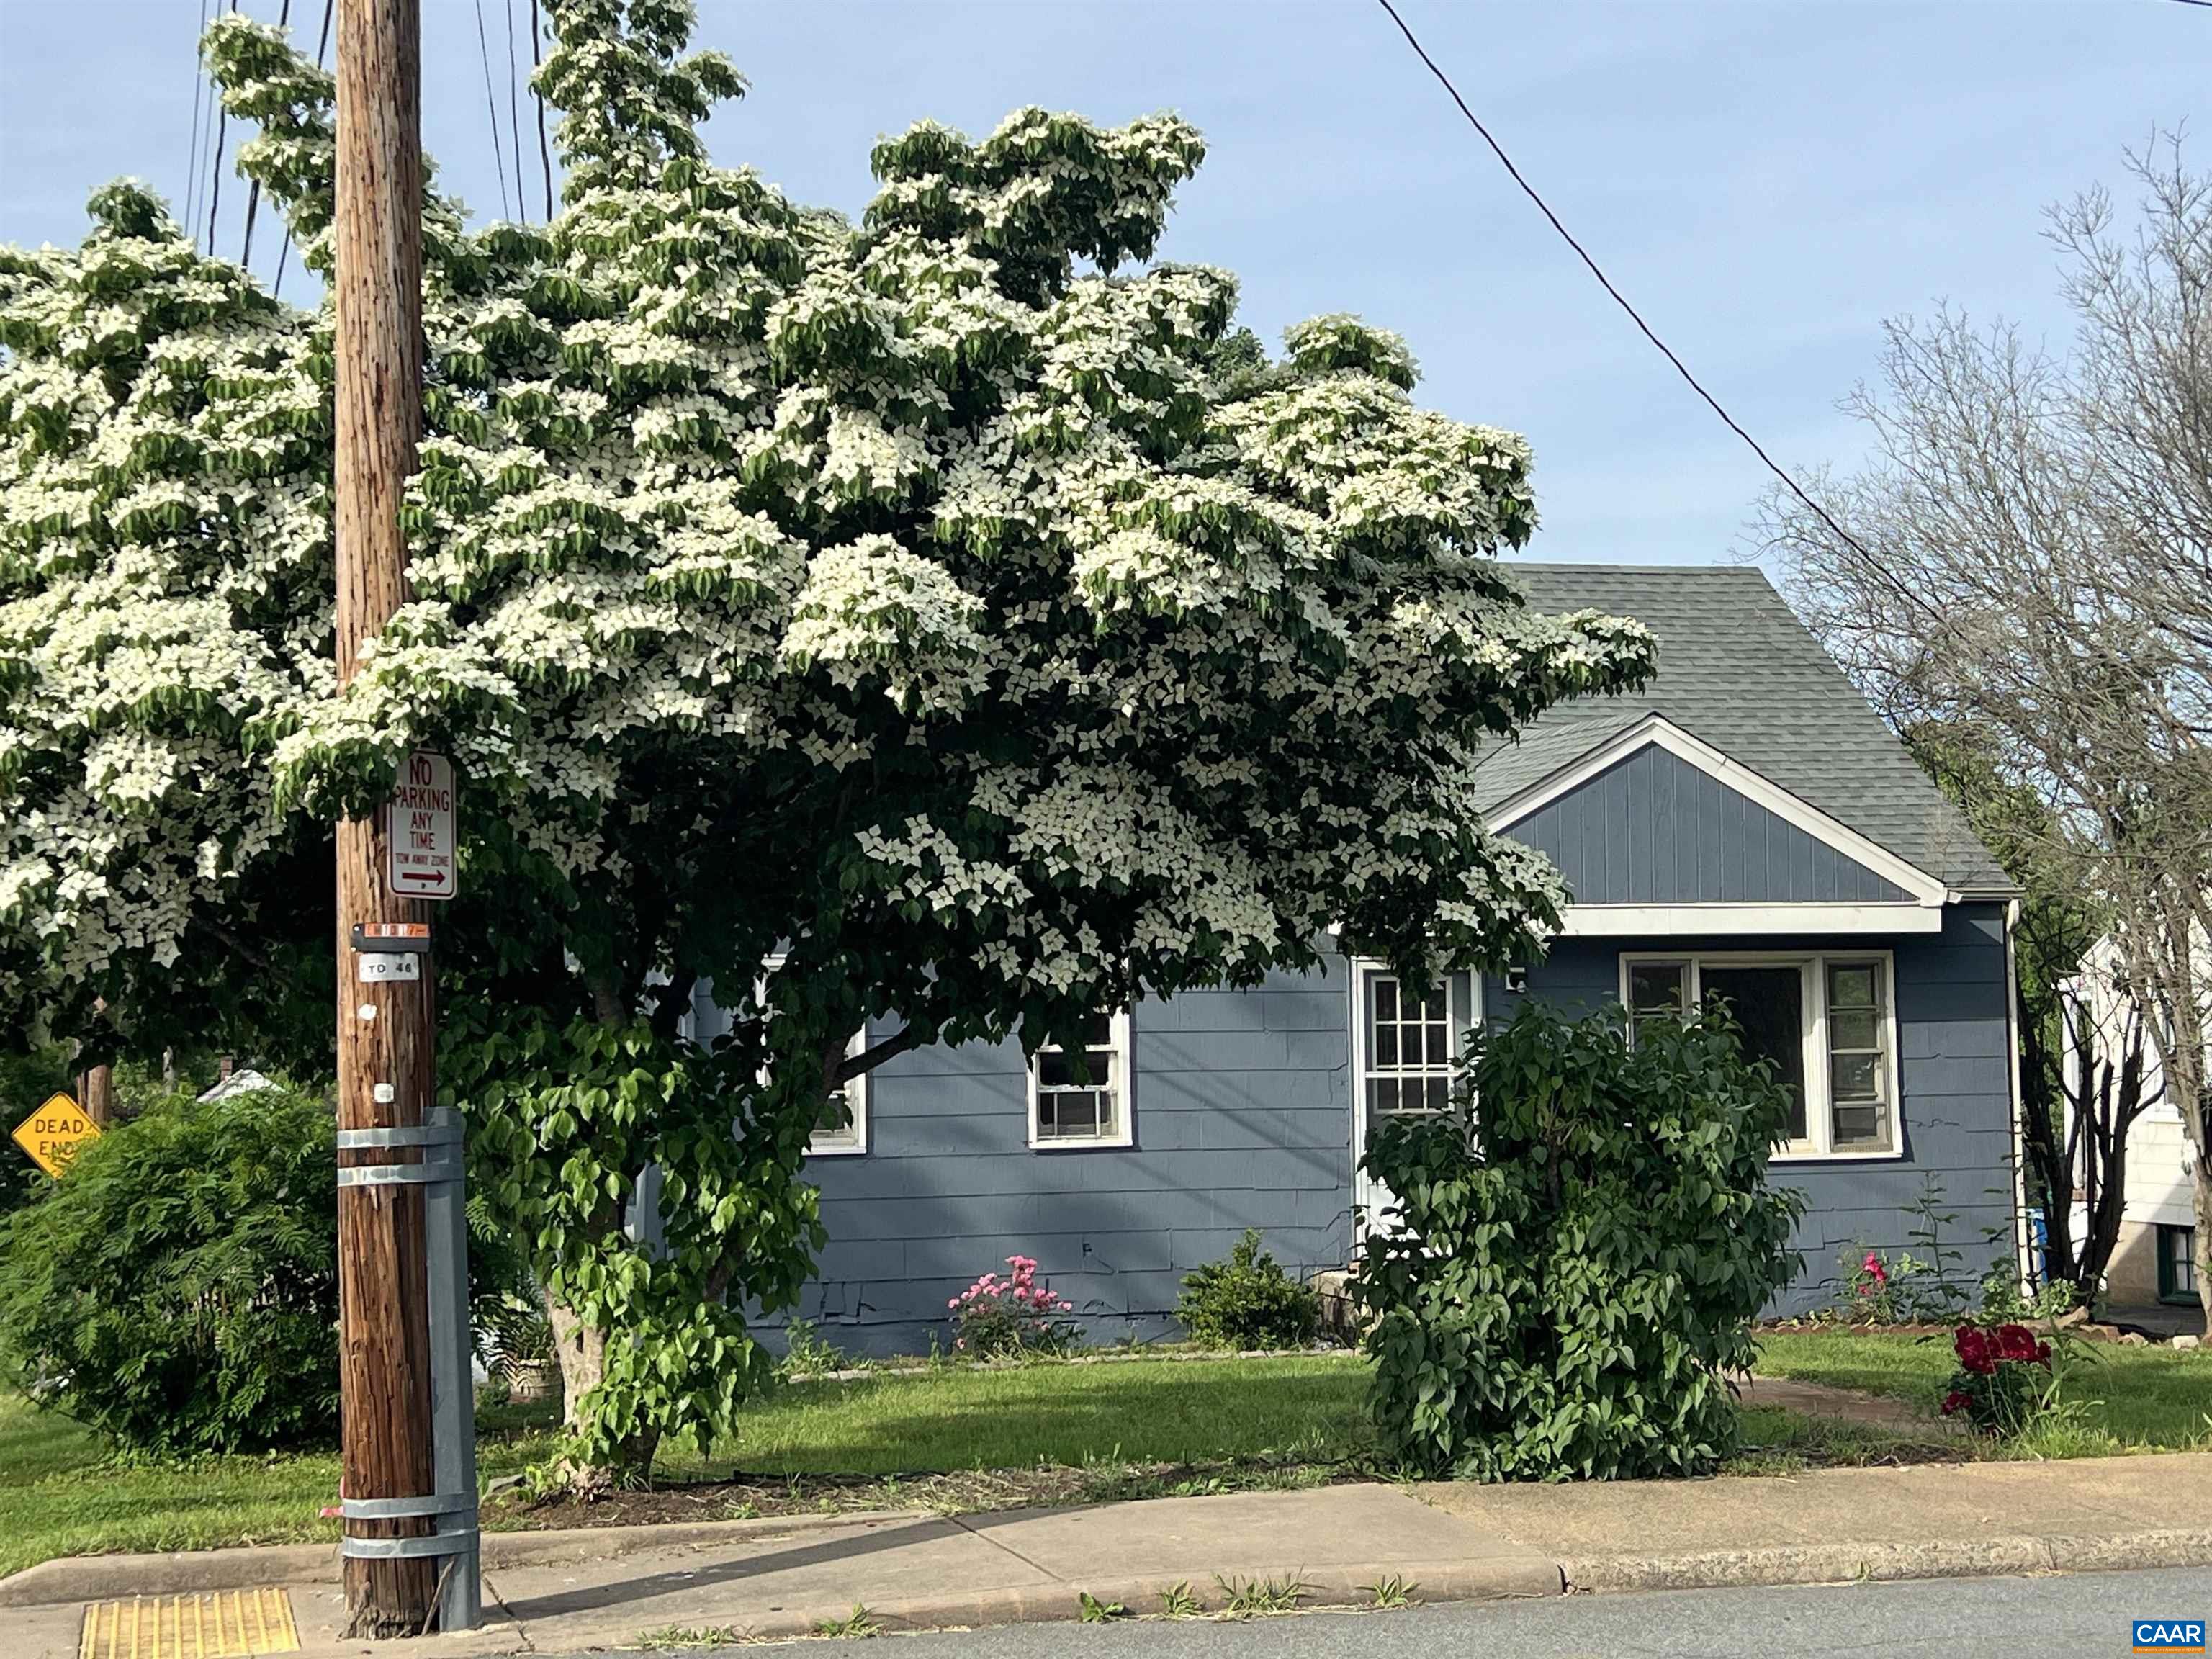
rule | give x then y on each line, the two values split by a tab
1956	1401
1975	1351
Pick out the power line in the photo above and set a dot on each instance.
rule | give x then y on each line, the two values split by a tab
514	118
1619	298
253	196
491	107
322	45
544	156
199	105
214	174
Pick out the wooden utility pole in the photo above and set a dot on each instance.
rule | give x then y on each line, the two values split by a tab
386	1028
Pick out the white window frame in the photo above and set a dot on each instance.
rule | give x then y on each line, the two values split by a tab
852	1141
1819	1144
1121	1037
1375	1205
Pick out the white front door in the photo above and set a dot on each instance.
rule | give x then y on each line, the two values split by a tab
1406	1050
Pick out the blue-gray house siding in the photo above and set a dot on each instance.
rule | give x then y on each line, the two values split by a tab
1954	1081
1241	1110
1651	829
1241	1103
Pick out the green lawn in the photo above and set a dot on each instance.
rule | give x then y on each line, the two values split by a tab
59	1496
1310	1405
2126	1398
959	1438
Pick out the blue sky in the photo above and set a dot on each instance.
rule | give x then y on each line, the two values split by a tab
1767	179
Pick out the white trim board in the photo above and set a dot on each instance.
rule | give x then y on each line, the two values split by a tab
1656	731
1737	920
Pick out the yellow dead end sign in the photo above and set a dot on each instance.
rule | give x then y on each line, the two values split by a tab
53	1135
217	1625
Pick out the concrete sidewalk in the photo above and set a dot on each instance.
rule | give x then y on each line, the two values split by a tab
606	1588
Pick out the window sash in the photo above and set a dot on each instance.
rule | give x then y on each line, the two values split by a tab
1090	1110
1410	1052
849	1103
1850	1058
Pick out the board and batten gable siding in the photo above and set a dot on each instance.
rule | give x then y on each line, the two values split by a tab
1955	1081
1651	829
1242	1117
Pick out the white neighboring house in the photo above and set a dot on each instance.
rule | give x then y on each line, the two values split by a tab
2154	1260
243	1082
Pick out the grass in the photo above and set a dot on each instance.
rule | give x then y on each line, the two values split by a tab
952	1438
1776	1441
959	1439
2113	1398
1138	1411
60	1494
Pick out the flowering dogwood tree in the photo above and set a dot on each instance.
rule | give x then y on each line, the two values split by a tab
951	606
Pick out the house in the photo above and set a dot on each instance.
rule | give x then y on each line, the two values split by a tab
2155	1256
1745	825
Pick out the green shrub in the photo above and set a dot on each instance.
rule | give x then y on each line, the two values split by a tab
1247	1302
1580	1260
177	1289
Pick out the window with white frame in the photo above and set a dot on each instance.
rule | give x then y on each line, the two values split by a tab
1408	1059
1826	1022
1079	1097
843	1130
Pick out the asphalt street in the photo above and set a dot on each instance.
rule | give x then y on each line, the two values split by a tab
2081	1616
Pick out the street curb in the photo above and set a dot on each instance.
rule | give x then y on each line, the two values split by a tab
181	1572
1831	1564
1507	1579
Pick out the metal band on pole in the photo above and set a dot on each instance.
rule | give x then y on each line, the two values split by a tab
412	1134
400	1175
407	1509
440	1543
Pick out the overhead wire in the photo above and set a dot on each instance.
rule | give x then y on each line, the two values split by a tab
253	196
491	108
513	115
199	107
322	46
1621	300
544	155
214	174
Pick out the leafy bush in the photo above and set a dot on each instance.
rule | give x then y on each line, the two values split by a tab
1576	1266
177	1289
1247	1302
2003	1379
996	1318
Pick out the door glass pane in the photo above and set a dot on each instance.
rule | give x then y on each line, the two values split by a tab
1769	1004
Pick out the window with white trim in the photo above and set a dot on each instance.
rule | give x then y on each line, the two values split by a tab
1826	1022
843	1131
1079	1097
1410	1056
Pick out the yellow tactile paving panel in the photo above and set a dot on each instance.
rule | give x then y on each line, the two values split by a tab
218	1624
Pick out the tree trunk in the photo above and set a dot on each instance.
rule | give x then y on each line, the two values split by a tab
95	1088
582	1351
2201	1181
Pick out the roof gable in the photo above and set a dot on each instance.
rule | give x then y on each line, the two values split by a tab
1653	817
1740	673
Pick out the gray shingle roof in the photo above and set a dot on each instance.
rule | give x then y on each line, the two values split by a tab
1737	669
